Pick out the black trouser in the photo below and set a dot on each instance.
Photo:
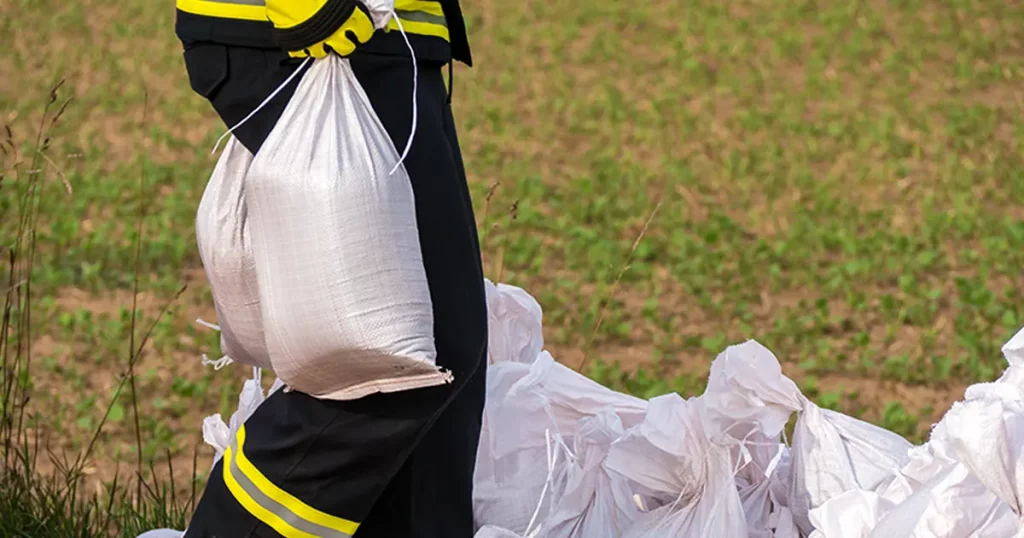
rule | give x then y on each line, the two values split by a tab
400	465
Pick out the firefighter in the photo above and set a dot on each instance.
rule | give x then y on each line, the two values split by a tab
394	465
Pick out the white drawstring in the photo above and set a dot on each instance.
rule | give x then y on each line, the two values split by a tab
776	460
415	108
207	361
415	80
552	454
263	104
217	364
547	481
207	324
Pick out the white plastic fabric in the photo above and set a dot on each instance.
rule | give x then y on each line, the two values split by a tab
512	489
533	406
166	533
963	483
834	453
346	307
528	400
594	501
747	403
491	531
514	320
225	248
381	12
530	452
217	434
685	480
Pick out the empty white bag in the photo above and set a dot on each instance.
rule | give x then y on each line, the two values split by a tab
833	454
514	324
594	501
685	483
529	406
747	403
516	488
964	482
346	307
162	533
225	248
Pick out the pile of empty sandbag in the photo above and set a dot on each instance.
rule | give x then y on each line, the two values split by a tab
564	457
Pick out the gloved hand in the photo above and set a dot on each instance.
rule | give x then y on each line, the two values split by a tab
316	27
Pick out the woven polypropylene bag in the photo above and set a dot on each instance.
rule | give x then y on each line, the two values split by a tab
225	247
346	307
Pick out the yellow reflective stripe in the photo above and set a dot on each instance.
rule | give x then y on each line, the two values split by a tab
278	495
421	28
224	10
434	8
255	508
243	10
283	12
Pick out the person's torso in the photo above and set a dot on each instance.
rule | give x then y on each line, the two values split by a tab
436	28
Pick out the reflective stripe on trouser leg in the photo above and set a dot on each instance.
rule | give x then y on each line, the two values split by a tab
273	506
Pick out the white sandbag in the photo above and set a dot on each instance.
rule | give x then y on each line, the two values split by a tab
747	403
853	514
686	481
763	490
964	482
163	533
988	438
514	329
510	481
508	490
225	248
955	505
528	400
1010	385
933	493
534	406
833	453
1013	349
986	432
491	531
594	501
519	489
748	392
346	307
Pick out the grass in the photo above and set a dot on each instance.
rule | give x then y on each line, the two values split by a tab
42	493
839	180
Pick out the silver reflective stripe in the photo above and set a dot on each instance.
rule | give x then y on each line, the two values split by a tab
420	16
273	506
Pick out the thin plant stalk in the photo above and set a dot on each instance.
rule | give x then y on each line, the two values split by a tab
588	346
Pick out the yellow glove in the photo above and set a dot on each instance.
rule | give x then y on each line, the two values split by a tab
316	27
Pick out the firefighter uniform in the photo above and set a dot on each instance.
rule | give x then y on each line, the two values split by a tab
394	465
